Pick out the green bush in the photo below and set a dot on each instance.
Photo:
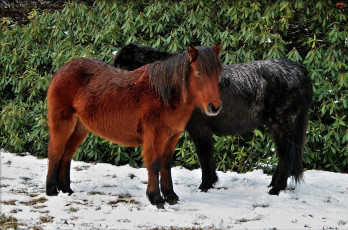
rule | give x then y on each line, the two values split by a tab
314	34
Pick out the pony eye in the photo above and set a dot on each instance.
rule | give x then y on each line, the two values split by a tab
199	74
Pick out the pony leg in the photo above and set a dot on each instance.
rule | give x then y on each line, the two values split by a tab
153	148
166	176
205	149
286	157
59	133
76	138
290	152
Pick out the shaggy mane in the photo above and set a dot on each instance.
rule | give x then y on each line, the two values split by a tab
171	75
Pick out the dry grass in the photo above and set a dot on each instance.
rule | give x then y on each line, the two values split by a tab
34	201
9	222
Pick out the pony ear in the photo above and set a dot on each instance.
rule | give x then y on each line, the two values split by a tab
192	53
217	48
130	46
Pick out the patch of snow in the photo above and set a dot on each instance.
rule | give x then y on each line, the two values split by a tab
113	197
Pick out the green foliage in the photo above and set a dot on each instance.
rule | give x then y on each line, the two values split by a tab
313	33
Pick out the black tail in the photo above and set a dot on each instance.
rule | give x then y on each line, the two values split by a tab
300	128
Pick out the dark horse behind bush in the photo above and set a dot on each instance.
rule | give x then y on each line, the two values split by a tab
276	93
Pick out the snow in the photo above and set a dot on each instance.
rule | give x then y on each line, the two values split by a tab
113	197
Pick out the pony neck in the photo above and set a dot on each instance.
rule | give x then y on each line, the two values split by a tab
170	77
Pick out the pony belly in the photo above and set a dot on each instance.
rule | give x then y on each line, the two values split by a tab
119	130
127	139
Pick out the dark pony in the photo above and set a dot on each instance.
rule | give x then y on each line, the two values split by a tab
149	107
276	93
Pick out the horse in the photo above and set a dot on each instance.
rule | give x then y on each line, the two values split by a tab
147	107
275	93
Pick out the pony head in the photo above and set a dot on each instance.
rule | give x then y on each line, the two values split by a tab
205	69
133	56
194	74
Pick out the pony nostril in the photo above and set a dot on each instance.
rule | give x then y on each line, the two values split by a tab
214	109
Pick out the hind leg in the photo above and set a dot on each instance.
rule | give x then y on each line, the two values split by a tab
76	138
166	176
60	130
286	155
289	142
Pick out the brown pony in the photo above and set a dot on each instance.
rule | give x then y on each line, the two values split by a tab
149	106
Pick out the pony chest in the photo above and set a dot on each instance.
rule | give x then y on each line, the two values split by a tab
176	120
168	119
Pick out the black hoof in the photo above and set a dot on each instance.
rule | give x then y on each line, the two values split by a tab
52	191
171	198
208	182
205	188
156	199
68	190
65	188
274	191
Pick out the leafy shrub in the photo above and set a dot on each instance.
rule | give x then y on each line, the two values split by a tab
313	33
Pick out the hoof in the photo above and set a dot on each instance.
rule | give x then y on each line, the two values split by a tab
156	199
160	206
171	199
65	189
52	191
68	190
274	191
205	188
208	181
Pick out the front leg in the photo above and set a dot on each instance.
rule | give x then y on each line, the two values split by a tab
166	175
204	144
153	192
152	157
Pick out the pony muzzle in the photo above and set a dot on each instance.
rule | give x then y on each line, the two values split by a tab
212	110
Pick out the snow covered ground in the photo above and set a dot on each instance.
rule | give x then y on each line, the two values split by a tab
111	197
